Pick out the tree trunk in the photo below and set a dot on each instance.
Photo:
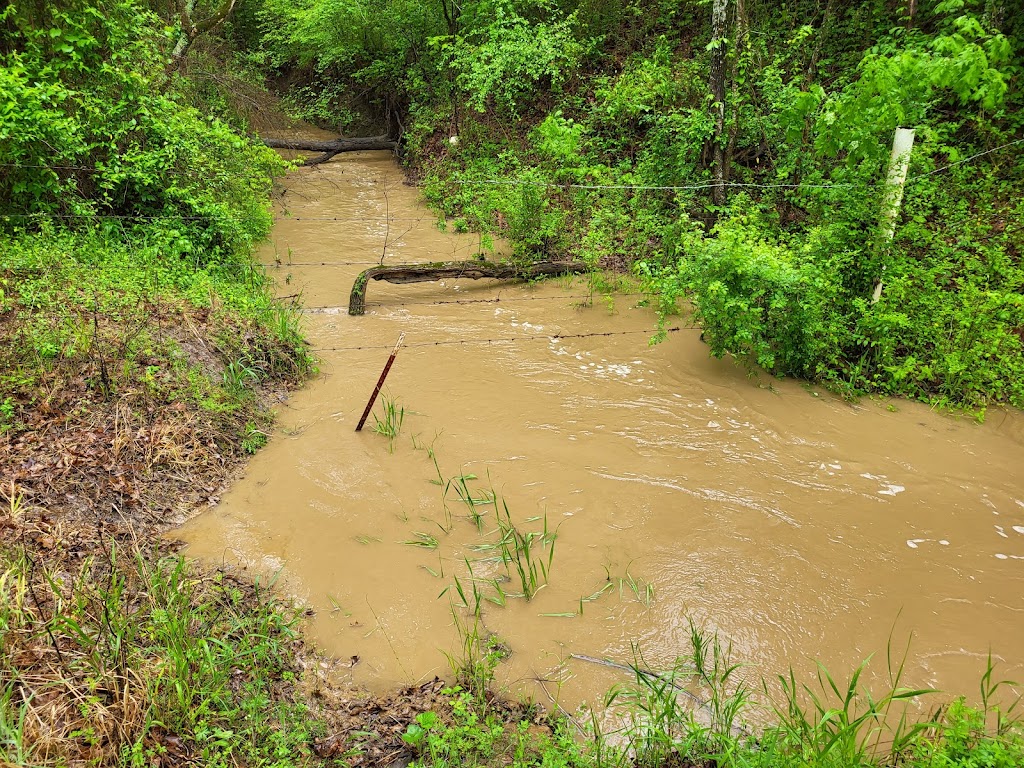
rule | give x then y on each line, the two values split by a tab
739	47
191	28
472	270
719	10
333	147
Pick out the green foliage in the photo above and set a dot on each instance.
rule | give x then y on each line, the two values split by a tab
648	84
759	299
609	95
560	139
475	739
92	125
389	424
147	647
964	741
253	438
479	654
905	76
510	58
98	318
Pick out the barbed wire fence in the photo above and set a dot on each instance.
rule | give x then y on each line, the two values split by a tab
387	220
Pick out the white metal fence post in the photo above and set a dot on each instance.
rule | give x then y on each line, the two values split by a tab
899	162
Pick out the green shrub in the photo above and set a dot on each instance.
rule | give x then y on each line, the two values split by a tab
509	59
94	126
760	300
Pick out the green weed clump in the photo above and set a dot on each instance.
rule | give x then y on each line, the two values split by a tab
389	423
696	715
470	738
133	658
517	551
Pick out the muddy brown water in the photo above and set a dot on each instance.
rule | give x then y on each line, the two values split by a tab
798	526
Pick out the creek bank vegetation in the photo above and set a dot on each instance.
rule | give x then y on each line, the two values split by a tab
732	153
141	353
142	349
116	651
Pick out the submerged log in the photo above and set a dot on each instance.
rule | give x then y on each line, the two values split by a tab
332	147
473	270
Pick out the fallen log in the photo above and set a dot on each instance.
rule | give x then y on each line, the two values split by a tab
332	147
472	270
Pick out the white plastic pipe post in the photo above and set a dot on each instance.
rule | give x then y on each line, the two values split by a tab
899	162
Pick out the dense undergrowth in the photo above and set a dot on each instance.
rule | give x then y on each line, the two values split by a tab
124	656
141	353
590	128
140	346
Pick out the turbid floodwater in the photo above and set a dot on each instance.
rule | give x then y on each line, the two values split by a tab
799	526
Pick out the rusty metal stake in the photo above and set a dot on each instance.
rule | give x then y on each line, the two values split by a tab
380	383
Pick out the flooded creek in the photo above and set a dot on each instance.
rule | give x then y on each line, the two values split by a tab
799	526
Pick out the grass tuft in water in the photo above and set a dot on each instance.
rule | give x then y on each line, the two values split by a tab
517	550
389	424
424	540
642	590
473	500
478	655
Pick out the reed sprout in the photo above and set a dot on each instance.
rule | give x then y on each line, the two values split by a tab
424	540
517	550
389	423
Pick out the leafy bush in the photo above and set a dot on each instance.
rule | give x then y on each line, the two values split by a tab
93	126
507	60
647	84
560	138
760	299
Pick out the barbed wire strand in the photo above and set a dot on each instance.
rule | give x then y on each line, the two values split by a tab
184	217
511	182
497	300
284	264
717	184
552	337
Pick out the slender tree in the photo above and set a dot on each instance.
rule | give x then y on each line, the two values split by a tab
719	11
192	27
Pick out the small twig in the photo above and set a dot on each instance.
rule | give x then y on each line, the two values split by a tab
644	673
39	607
